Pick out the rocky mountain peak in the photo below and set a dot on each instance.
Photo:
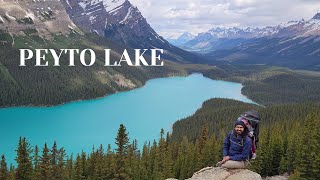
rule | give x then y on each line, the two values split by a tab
317	16
186	36
117	20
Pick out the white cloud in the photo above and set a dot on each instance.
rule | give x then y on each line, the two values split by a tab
177	16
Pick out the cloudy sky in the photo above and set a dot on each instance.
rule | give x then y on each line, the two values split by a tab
173	17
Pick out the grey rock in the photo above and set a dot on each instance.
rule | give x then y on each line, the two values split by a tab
218	173
46	17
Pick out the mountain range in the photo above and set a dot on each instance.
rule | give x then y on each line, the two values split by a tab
295	44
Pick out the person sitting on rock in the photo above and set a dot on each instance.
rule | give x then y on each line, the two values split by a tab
236	147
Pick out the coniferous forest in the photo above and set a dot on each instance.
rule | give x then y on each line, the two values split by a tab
289	143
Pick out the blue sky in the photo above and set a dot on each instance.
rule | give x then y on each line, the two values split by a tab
173	17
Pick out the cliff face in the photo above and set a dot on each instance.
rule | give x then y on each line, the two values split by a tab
117	20
45	16
123	24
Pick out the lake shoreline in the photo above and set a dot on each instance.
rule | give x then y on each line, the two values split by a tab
95	98
137	87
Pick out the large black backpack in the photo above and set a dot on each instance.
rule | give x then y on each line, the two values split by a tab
253	118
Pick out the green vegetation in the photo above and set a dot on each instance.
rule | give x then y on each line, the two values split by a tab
289	142
271	85
51	85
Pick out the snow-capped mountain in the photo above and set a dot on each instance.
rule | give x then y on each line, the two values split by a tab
221	37
44	16
122	23
295	44
183	38
117	20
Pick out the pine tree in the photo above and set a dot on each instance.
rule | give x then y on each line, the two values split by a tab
109	163
11	175
154	160
45	170
203	137
122	141
92	163
3	168
36	163
24	168
69	168
145	162
55	172
61	163
78	169
134	160
84	164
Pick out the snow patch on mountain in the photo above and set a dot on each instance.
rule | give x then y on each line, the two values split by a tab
69	4
112	4
1	19
127	16
11	17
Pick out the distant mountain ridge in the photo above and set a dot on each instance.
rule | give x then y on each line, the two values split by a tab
206	41
295	44
183	38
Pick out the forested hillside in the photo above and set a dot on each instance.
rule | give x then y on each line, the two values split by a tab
289	142
268	85
52	85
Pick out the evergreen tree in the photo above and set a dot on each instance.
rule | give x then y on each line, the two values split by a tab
55	171
84	164
308	154
145	162
11	175
69	168
92	162
203	137
78	169
109	163
45	169
36	163
24	167
122	141
3	168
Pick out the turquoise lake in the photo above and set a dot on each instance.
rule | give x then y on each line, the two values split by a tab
144	111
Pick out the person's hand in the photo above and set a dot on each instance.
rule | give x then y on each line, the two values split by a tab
226	158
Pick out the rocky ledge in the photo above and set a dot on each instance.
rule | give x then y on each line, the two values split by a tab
218	173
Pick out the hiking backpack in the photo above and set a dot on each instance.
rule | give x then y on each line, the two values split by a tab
253	118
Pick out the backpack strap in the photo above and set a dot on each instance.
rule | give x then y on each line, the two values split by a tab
240	143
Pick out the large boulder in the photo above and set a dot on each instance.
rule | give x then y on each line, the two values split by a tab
218	173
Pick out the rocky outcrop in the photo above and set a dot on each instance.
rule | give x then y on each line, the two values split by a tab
29	16
218	173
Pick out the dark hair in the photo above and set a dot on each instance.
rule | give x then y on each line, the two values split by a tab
241	123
